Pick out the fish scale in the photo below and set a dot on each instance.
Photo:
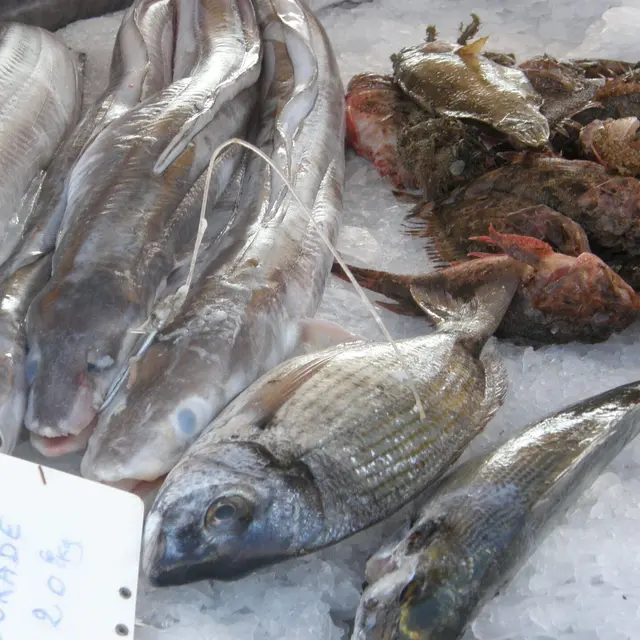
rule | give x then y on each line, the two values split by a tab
317	437
483	521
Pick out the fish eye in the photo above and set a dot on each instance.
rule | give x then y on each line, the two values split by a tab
30	370
96	363
228	511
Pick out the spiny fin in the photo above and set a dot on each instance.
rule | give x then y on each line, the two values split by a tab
524	248
470	299
469	52
441	249
316	334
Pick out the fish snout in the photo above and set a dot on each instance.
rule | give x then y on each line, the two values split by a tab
59	409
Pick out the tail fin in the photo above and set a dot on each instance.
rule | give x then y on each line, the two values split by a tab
469	299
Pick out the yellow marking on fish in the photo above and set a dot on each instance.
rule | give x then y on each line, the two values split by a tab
473	50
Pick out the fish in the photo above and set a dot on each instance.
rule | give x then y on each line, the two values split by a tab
40	101
560	298
245	315
604	205
55	14
456	80
120	233
374	122
474	531
614	144
16	295
327	444
140	66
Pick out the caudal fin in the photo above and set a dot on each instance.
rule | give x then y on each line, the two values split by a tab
469	299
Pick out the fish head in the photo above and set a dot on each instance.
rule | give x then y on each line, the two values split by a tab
78	335
13	393
419	590
223	514
166	403
584	290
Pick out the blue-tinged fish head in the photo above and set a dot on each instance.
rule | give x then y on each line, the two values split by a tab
78	335
168	399
222	514
429	586
418	591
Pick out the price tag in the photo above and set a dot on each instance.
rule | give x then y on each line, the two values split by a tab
69	555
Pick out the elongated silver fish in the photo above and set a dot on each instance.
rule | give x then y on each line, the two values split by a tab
328	444
16	295
120	234
55	14
243	318
140	66
485	519
40	101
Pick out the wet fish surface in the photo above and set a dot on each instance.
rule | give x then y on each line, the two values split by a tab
243	317
326	445
120	234
16	295
140	66
55	14
40	101
478	528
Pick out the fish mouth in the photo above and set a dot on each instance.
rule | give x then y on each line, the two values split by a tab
61	445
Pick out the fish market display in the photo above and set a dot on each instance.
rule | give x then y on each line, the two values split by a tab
480	525
55	14
243	316
292	442
16	295
40	100
328	444
119	233
140	66
560	298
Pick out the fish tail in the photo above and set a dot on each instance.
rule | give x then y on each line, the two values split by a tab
469	299
390	285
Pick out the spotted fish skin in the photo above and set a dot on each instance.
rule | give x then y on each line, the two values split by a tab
481	524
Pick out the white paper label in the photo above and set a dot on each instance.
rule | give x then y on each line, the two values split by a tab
69	555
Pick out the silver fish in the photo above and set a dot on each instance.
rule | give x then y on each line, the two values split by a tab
40	101
486	518
120	235
16	295
55	14
243	317
326	445
140	66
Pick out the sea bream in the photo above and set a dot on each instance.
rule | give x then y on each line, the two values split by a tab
16	295
141	65
120	234
40	101
478	528
327	444
243	317
55	14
